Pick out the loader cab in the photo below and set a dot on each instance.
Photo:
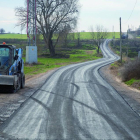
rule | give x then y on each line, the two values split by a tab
7	58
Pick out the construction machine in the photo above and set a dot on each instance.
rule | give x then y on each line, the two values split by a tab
12	76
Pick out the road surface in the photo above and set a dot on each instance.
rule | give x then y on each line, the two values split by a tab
75	103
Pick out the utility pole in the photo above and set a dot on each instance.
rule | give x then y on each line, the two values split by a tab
112	32
120	40
127	41
31	49
31	22
113	37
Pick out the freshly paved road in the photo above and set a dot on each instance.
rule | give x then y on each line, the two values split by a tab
75	103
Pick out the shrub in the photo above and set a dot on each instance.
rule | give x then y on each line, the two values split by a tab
132	54
130	70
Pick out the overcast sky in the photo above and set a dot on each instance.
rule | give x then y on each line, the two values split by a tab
7	15
92	13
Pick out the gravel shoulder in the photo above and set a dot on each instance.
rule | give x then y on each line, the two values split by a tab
130	95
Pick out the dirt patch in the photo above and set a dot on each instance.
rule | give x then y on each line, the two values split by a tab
113	70
89	52
136	85
61	64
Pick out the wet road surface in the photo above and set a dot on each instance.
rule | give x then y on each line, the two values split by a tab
75	103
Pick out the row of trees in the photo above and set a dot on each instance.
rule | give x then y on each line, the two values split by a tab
2	31
57	17
97	35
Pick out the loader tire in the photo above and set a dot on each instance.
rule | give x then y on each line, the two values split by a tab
19	83
22	81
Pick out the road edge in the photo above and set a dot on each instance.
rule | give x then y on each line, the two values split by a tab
129	95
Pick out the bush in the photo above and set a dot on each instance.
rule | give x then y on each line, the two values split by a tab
132	54
130	70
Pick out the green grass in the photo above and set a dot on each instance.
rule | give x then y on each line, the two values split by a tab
114	65
132	81
13	36
118	52
83	36
86	35
45	64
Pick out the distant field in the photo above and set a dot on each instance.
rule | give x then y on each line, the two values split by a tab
13	36
83	36
86	35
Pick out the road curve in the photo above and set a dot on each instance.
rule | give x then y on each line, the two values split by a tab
75	103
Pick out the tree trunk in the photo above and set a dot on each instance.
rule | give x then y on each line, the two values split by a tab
78	43
65	41
98	49
51	48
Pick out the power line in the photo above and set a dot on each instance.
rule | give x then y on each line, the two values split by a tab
132	11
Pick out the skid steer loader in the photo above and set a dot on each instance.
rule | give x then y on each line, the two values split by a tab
12	75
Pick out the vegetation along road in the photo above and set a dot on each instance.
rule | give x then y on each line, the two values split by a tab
75	103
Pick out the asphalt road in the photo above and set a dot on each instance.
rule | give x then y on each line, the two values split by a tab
75	103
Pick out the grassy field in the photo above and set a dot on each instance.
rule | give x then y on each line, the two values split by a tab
83	36
13	36
45	64
86	35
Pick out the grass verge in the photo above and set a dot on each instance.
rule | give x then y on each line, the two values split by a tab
132	81
45	64
135	83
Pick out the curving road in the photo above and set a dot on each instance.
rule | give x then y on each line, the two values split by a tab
75	103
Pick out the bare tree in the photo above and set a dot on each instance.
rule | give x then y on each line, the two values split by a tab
52	17
2	31
38	39
64	35
98	36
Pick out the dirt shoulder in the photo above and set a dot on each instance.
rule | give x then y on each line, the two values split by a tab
130	95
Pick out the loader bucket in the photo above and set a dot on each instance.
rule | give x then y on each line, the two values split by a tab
7	80
7	83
